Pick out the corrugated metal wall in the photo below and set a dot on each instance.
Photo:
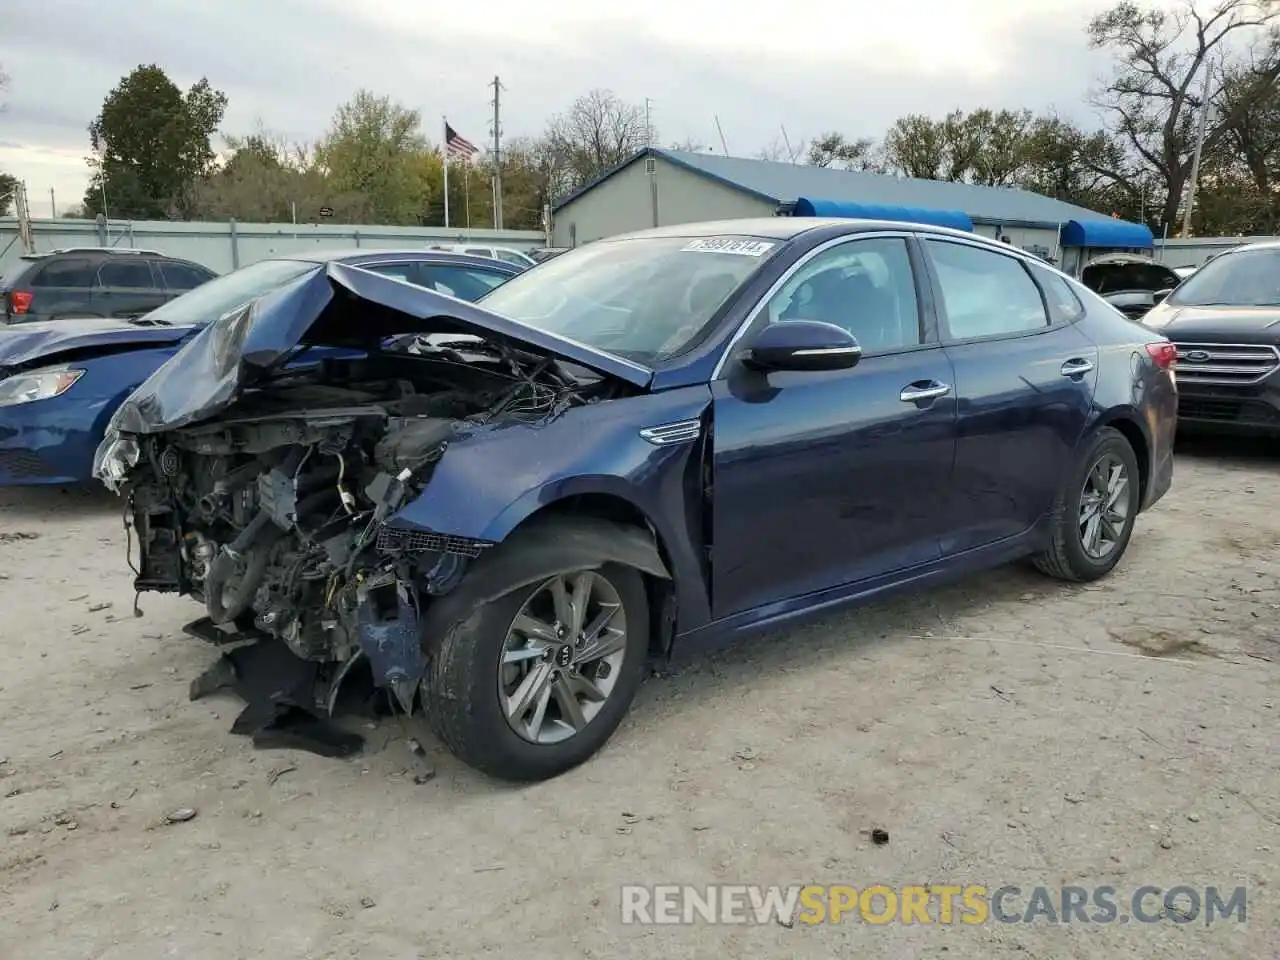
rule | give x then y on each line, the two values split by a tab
624	203
225	246
1194	251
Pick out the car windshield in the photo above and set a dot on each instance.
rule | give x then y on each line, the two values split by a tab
211	300
1249	278
644	299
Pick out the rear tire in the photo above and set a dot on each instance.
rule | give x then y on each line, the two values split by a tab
1094	512
468	707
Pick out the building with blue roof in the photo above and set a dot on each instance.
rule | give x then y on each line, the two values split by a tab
658	187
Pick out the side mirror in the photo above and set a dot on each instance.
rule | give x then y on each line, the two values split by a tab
802	345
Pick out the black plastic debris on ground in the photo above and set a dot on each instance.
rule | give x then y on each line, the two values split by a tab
281	692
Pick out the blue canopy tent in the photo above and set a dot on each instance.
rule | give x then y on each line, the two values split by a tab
955	219
1113	234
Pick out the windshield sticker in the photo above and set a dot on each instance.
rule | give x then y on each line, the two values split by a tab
744	248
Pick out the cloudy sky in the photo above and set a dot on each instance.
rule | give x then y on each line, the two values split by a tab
812	65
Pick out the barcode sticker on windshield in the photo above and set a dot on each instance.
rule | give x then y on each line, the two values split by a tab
745	248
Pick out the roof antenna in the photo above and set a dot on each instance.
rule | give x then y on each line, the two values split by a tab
720	130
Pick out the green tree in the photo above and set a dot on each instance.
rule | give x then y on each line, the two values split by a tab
8	187
264	179
152	145
375	149
833	149
916	146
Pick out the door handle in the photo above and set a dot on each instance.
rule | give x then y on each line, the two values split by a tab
1077	367
930	390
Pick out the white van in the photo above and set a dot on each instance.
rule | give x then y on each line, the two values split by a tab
507	254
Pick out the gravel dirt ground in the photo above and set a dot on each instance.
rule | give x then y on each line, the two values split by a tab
1007	730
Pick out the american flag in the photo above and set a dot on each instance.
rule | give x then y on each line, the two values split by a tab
458	146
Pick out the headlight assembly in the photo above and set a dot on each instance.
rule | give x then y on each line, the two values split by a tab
37	385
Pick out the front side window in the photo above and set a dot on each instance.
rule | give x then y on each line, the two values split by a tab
510	256
645	299
1248	278
865	286
985	294
182	276
465	283
401	271
131	274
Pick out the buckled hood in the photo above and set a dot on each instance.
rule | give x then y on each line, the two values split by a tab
28	344
335	305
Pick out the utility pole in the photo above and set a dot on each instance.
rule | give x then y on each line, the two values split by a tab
650	162
497	153
53	206
1195	158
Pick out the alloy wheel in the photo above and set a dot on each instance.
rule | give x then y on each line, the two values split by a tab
562	656
1104	507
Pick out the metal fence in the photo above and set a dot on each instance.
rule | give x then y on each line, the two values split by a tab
225	246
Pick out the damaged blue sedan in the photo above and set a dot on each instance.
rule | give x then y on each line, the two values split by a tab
502	511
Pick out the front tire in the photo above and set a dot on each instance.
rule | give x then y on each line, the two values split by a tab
534	682
1095	511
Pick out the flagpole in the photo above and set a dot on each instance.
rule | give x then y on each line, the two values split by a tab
445	142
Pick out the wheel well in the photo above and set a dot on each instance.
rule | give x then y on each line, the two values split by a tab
1138	441
660	592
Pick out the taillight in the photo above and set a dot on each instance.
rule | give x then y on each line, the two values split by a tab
1165	354
19	301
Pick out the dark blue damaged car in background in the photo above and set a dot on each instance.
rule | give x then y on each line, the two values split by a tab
638	450
60	381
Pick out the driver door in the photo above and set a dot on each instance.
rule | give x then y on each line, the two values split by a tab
828	478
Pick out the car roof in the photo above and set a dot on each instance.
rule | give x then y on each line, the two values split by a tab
1258	245
349	255
786	228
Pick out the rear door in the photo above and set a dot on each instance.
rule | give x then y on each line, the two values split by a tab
126	287
60	287
1024	378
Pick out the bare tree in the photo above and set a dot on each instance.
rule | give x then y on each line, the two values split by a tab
777	151
598	131
1153	98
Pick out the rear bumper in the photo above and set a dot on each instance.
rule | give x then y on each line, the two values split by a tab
48	443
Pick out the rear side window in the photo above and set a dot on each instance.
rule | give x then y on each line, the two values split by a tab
465	283
1064	305
70	272
515	258
985	294
479	251
125	273
182	276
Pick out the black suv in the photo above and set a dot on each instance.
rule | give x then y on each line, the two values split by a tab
85	282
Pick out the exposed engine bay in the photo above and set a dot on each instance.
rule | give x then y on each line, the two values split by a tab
273	513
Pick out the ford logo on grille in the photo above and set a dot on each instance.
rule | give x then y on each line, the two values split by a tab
1196	356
